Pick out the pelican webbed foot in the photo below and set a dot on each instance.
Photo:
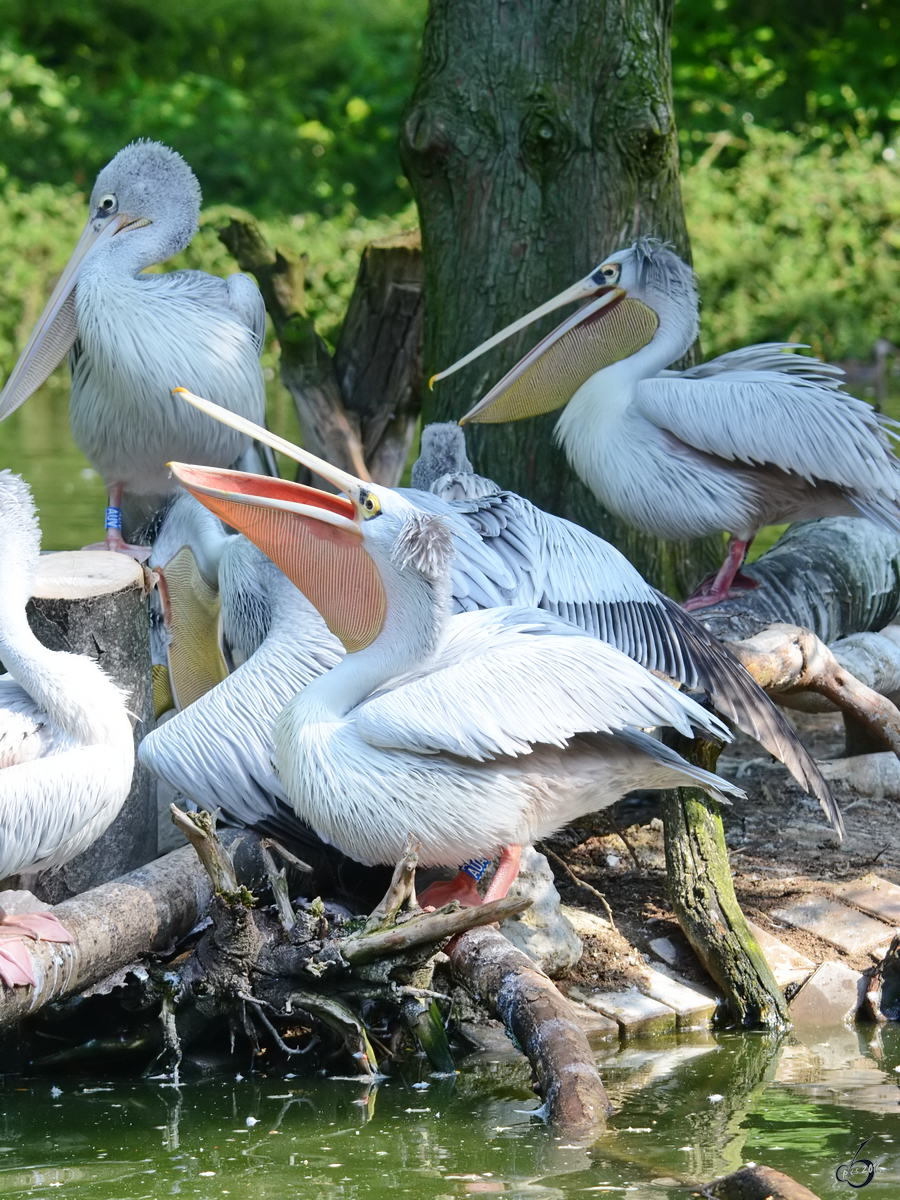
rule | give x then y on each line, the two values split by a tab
15	961
117	544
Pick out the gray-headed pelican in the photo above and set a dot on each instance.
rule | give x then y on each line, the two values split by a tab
756	437
66	744
132	337
472	733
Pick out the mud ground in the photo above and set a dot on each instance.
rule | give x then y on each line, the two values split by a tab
779	844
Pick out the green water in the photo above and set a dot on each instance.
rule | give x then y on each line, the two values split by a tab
688	1109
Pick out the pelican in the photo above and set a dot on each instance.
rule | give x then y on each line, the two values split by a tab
472	733
66	745
132	337
509	552
756	437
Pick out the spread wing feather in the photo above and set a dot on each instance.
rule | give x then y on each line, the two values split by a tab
745	415
508	679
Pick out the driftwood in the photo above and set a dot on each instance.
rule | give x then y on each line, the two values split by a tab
541	1021
95	603
358	411
702	894
114	924
757	1183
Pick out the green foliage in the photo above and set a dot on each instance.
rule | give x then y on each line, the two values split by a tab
278	107
794	245
824	69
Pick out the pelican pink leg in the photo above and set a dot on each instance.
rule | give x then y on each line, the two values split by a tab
719	586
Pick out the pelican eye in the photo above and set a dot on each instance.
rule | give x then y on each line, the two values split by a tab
371	505
107	206
607	274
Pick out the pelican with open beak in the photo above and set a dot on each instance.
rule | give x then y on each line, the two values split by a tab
472	733
756	437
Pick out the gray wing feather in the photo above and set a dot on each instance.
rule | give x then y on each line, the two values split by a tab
508	679
766	417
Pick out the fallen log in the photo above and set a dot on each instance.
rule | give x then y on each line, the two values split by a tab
757	1183
95	603
142	912
541	1021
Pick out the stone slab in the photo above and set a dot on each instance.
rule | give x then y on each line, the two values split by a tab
788	965
876	896
835	923
677	954
694	1005
636	1014
585	924
831	996
597	1028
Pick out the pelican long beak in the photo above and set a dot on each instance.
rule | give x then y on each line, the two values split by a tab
314	537
55	333
609	327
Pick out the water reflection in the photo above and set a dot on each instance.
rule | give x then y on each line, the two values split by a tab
688	1109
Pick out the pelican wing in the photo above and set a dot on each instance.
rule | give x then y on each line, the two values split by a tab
508	679
26	732
53	808
784	421
768	356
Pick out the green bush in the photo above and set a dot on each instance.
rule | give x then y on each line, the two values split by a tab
798	245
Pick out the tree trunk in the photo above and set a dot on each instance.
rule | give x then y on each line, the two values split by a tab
378	360
539	138
95	603
702	893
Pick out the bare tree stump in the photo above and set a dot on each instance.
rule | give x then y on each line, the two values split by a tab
541	1021
378	360
95	603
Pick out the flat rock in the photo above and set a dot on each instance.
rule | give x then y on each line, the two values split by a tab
635	1013
585	924
831	996
694	1005
597	1028
835	923
541	931
873	895
788	965
677	954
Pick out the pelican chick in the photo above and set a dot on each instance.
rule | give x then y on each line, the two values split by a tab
472	733
753	438
66	744
132	337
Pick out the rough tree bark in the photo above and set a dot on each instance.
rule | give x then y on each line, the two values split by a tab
539	137
358	411
95	603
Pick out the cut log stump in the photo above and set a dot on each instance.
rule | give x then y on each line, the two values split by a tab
93	602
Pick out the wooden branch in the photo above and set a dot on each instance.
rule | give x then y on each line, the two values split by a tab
757	1183
702	893
378	360
432	927
306	366
200	830
541	1021
788	662
115	923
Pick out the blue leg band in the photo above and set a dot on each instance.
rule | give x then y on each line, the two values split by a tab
114	518
476	867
